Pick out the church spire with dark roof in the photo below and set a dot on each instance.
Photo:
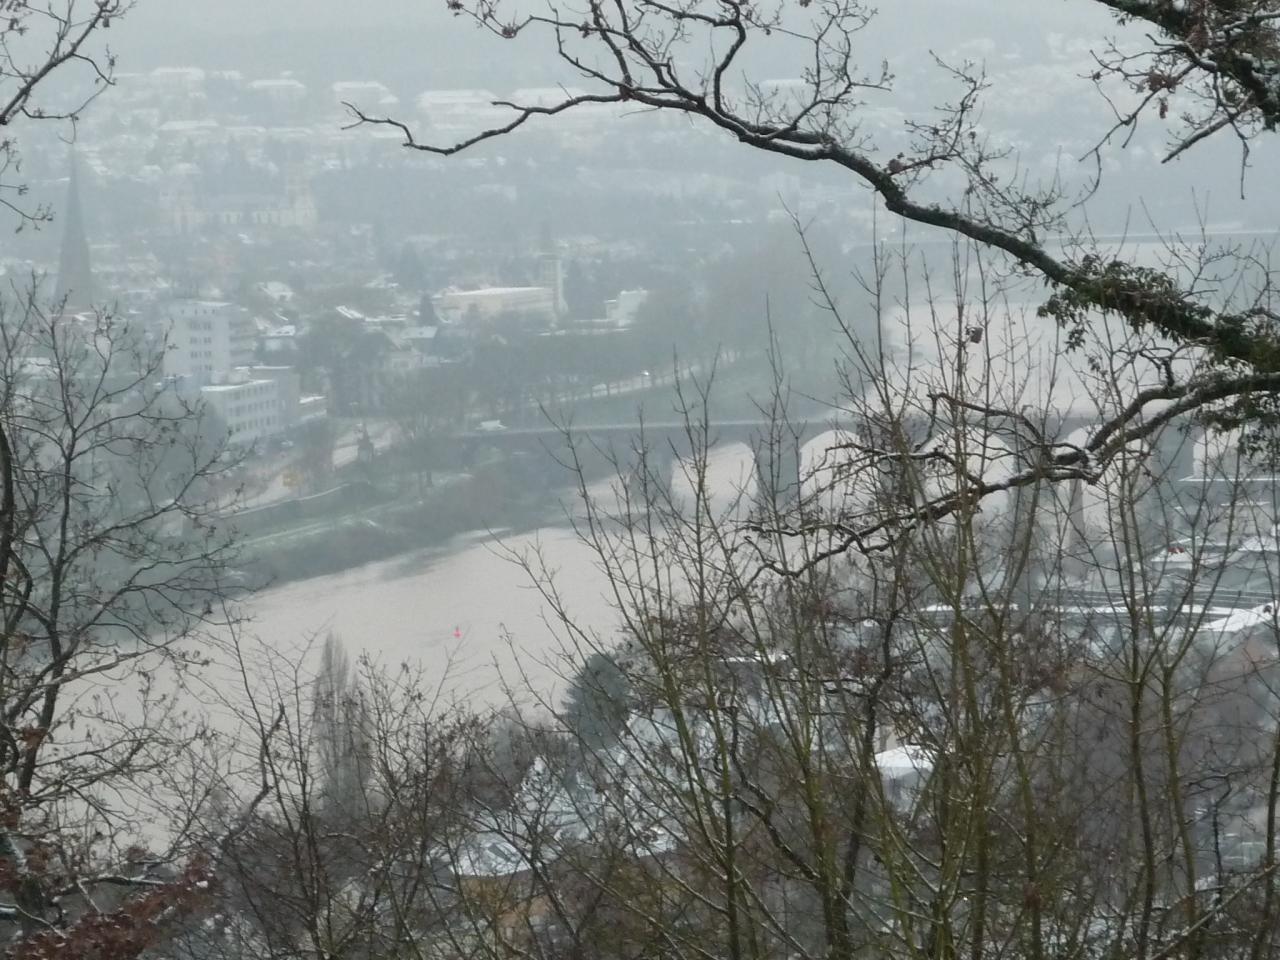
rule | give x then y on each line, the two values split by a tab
75	272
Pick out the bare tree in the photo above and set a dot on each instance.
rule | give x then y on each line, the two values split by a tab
42	45
1024	726
113	562
1027	725
1213	66
427	405
317	442
316	874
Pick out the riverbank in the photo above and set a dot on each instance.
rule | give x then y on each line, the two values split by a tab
365	524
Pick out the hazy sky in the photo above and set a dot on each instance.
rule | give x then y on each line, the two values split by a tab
1036	53
375	31
251	16
412	42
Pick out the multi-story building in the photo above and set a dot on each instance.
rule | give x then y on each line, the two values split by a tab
255	402
288	390
207	339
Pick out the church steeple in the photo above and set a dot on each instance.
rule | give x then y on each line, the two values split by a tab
75	272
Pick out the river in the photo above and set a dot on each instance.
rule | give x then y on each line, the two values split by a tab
467	613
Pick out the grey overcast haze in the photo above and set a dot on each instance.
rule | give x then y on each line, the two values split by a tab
639	480
1037	55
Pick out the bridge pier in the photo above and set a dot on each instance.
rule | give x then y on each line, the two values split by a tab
1175	453
777	459
778	478
646	474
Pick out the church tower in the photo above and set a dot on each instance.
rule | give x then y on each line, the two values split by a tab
75	272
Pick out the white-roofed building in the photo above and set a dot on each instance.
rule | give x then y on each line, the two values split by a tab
252	408
364	94
904	770
487	303
282	90
185	79
454	99
462	111
189	129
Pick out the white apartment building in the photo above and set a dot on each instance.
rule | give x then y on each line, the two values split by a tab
252	409
207	339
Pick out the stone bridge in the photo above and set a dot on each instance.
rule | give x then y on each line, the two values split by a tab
777	451
777	464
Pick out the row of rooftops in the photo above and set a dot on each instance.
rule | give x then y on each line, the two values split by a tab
365	92
368	92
